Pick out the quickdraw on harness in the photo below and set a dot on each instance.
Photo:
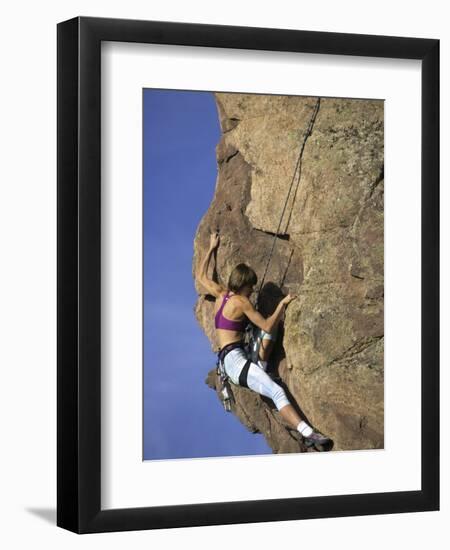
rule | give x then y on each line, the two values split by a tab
253	338
224	386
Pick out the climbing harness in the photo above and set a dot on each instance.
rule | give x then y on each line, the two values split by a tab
224	380
224	392
223	386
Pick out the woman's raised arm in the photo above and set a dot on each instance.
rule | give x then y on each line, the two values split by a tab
261	322
202	274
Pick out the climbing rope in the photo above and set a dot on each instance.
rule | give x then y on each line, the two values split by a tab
297	167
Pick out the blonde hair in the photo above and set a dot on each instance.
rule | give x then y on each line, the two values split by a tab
241	276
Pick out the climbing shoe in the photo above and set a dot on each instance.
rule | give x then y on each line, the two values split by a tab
318	440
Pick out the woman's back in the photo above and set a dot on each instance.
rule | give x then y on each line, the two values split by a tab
229	320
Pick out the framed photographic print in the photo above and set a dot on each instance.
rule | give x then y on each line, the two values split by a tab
248	317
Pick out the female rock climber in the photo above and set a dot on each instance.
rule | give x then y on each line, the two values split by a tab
232	312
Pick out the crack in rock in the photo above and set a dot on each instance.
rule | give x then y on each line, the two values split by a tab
309	131
229	157
356	349
282	236
375	184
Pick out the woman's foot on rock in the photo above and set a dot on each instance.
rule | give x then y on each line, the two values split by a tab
319	441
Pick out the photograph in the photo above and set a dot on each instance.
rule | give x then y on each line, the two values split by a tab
263	274
238	299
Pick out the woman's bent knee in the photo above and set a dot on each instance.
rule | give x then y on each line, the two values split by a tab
261	382
279	398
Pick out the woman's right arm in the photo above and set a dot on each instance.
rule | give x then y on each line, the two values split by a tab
261	322
211	286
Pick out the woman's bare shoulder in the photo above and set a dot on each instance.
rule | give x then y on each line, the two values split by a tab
222	294
243	301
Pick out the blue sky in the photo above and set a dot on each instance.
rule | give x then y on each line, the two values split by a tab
182	416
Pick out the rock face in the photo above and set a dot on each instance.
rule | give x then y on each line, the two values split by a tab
328	251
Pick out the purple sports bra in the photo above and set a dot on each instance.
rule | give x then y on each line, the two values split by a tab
227	324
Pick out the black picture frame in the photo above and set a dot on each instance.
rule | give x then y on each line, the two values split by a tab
79	278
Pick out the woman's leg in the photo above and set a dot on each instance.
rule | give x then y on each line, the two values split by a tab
260	382
266	348
233	364
267	342
288	413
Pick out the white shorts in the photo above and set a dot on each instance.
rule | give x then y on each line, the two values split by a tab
257	379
